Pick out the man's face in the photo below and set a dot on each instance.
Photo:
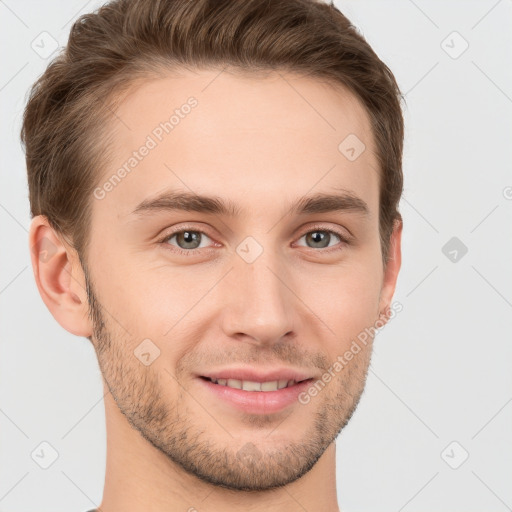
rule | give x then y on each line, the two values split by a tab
267	289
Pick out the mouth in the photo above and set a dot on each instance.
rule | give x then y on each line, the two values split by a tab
251	386
252	396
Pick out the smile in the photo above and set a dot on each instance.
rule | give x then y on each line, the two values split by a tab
254	397
248	385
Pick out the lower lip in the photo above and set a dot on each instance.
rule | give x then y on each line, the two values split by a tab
258	402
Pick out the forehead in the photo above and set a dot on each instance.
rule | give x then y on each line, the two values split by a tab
244	137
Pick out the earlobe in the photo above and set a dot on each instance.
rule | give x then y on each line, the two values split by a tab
59	278
391	272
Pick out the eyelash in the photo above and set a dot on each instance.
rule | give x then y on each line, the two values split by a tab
191	252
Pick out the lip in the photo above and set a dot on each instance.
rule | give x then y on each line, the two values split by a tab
255	375
256	402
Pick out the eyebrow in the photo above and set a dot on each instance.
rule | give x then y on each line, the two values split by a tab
190	202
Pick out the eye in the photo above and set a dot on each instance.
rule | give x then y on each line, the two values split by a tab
320	238
187	240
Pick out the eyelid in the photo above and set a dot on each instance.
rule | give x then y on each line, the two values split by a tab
345	240
169	235
345	236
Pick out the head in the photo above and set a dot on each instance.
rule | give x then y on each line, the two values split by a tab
183	159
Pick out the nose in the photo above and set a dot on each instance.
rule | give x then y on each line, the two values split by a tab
258	301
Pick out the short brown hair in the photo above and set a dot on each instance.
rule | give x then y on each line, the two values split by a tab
64	124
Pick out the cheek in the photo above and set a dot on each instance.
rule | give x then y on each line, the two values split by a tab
345	299
157	304
134	299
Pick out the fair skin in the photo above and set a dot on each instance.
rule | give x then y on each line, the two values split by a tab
172	442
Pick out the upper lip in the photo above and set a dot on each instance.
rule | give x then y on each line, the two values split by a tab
255	375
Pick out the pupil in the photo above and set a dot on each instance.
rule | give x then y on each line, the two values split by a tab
190	237
319	237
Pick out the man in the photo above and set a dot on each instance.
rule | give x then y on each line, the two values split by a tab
214	190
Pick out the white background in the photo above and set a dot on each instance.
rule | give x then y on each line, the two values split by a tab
441	370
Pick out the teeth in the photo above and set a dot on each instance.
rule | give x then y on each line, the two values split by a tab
234	383
248	385
269	386
282	384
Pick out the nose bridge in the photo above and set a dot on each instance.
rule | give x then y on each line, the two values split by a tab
259	303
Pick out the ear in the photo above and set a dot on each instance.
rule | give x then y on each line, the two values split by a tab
59	278
391	271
